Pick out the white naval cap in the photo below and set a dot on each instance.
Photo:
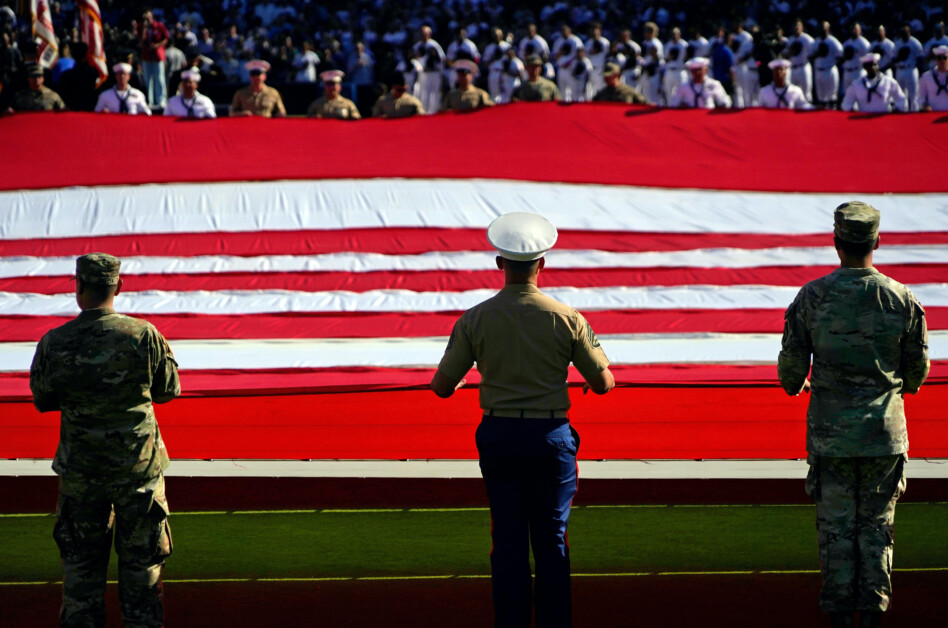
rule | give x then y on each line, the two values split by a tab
870	57
697	62
191	75
779	63
124	68
464	65
521	236
940	50
257	65
332	76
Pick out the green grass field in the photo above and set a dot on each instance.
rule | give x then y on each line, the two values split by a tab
456	542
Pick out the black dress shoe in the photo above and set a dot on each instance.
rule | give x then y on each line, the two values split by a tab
841	620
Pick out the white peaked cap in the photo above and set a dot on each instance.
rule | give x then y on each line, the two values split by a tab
521	236
940	50
778	63
122	67
870	57
697	62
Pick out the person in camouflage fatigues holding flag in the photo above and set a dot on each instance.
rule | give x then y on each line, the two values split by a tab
867	337
103	371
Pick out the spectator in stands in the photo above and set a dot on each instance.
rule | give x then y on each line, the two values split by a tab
188	103
153	36
466	97
397	103
305	63
431	56
332	104
722	61
37	97
700	91
933	86
798	50
11	66
536	88
615	91
875	92
122	97
258	98
908	51
77	86
780	93
64	63
361	65
826	51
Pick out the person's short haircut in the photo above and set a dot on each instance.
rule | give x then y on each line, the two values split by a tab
98	292
854	249
519	267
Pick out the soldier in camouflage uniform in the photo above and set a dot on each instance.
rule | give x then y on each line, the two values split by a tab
397	103
867	337
466	96
536	88
332	104
103	371
37	97
615	90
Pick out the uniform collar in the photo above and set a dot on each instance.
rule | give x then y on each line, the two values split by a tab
855	272
520	288
96	313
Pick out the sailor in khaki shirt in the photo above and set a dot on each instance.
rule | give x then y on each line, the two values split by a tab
523	342
258	98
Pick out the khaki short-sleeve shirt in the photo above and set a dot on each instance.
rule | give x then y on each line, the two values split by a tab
265	103
523	342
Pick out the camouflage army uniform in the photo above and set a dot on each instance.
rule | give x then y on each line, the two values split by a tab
404	106
543	89
266	103
867	337
620	93
470	98
338	107
43	99
103	371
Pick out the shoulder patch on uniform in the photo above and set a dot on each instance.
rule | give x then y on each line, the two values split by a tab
591	336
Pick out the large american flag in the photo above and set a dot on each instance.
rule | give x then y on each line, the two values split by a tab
307	273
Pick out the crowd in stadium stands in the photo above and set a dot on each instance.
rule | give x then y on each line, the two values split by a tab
373	57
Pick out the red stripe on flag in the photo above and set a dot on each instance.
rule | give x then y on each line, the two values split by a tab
462	280
408	241
420	324
628	423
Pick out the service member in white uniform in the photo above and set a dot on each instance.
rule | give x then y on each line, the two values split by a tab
431	56
597	51
854	49
933	86
875	92
564	55
908	50
700	91
188	103
747	83
676	53
780	94
798	50
826	50
885	48
651	62
123	98
939	38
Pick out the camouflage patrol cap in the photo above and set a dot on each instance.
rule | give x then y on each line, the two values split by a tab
98	268
533	60
611	69
34	70
856	222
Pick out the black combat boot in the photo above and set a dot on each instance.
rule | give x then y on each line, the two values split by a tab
841	619
870	619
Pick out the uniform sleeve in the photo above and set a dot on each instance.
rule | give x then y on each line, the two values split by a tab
278	107
924	92
235	104
588	356
354	112
721	99
901	102
914	362
459	355
44	398
849	99
165	384
312	111
100	104
793	363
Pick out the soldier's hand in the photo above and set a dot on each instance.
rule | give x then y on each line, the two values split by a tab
460	384
586	388
806	386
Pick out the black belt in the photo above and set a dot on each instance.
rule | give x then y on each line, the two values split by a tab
526	413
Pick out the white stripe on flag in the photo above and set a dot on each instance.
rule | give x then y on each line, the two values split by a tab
260	302
427	352
475	260
347	204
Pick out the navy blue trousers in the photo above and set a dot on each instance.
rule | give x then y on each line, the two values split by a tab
529	469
